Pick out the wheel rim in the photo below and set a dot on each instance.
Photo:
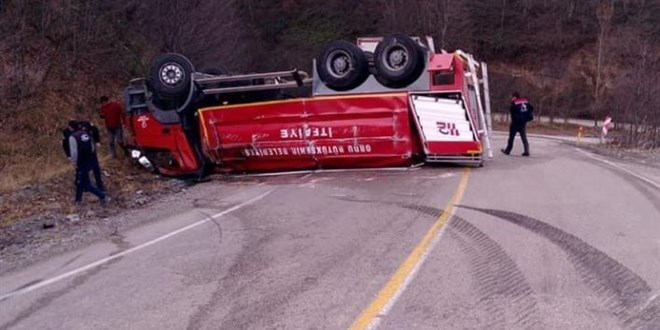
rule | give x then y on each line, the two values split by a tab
171	74
396	58
338	63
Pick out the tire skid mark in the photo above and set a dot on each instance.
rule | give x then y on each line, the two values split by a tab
33	282
201	312
624	293
77	281
353	199
70	261
246	271
649	317
505	293
427	210
502	287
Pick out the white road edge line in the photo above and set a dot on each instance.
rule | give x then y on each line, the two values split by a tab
131	250
386	309
643	178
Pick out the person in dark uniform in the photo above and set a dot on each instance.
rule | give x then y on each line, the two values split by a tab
96	168
73	127
82	150
521	113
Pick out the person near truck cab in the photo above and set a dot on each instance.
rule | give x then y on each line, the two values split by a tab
111	112
521	114
82	153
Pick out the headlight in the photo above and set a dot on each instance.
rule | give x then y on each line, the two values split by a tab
135	154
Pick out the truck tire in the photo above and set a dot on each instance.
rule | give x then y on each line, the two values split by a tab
170	76
399	61
342	66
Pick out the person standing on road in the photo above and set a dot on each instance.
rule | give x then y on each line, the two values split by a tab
82	150
521	113
111	112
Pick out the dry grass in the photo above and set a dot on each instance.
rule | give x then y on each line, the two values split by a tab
26	170
36	175
30	139
122	178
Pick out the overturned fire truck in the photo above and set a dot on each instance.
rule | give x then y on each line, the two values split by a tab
383	102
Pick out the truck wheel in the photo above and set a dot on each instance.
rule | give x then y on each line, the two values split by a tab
170	76
399	61
342	66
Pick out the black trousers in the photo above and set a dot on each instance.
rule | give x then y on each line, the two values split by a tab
96	169
514	129
83	184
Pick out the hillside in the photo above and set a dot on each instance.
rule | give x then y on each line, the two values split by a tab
573	58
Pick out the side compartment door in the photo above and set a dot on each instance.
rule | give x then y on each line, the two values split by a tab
256	137
359	130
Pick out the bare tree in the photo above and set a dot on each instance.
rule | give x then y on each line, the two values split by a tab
604	13
209	32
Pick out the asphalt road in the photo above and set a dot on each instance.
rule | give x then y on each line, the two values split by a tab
560	240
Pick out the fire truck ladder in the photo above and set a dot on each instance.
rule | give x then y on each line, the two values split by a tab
485	121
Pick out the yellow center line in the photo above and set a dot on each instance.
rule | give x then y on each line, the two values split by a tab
391	290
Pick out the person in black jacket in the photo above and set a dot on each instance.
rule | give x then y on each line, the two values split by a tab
82	152
521	113
96	168
74	126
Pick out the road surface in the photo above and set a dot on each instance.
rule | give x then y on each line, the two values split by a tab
561	240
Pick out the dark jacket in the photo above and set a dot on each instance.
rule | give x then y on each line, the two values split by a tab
521	111
67	132
91	129
81	148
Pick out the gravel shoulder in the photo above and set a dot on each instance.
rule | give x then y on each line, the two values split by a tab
38	221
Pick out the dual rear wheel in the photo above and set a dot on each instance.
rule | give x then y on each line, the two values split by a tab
398	61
